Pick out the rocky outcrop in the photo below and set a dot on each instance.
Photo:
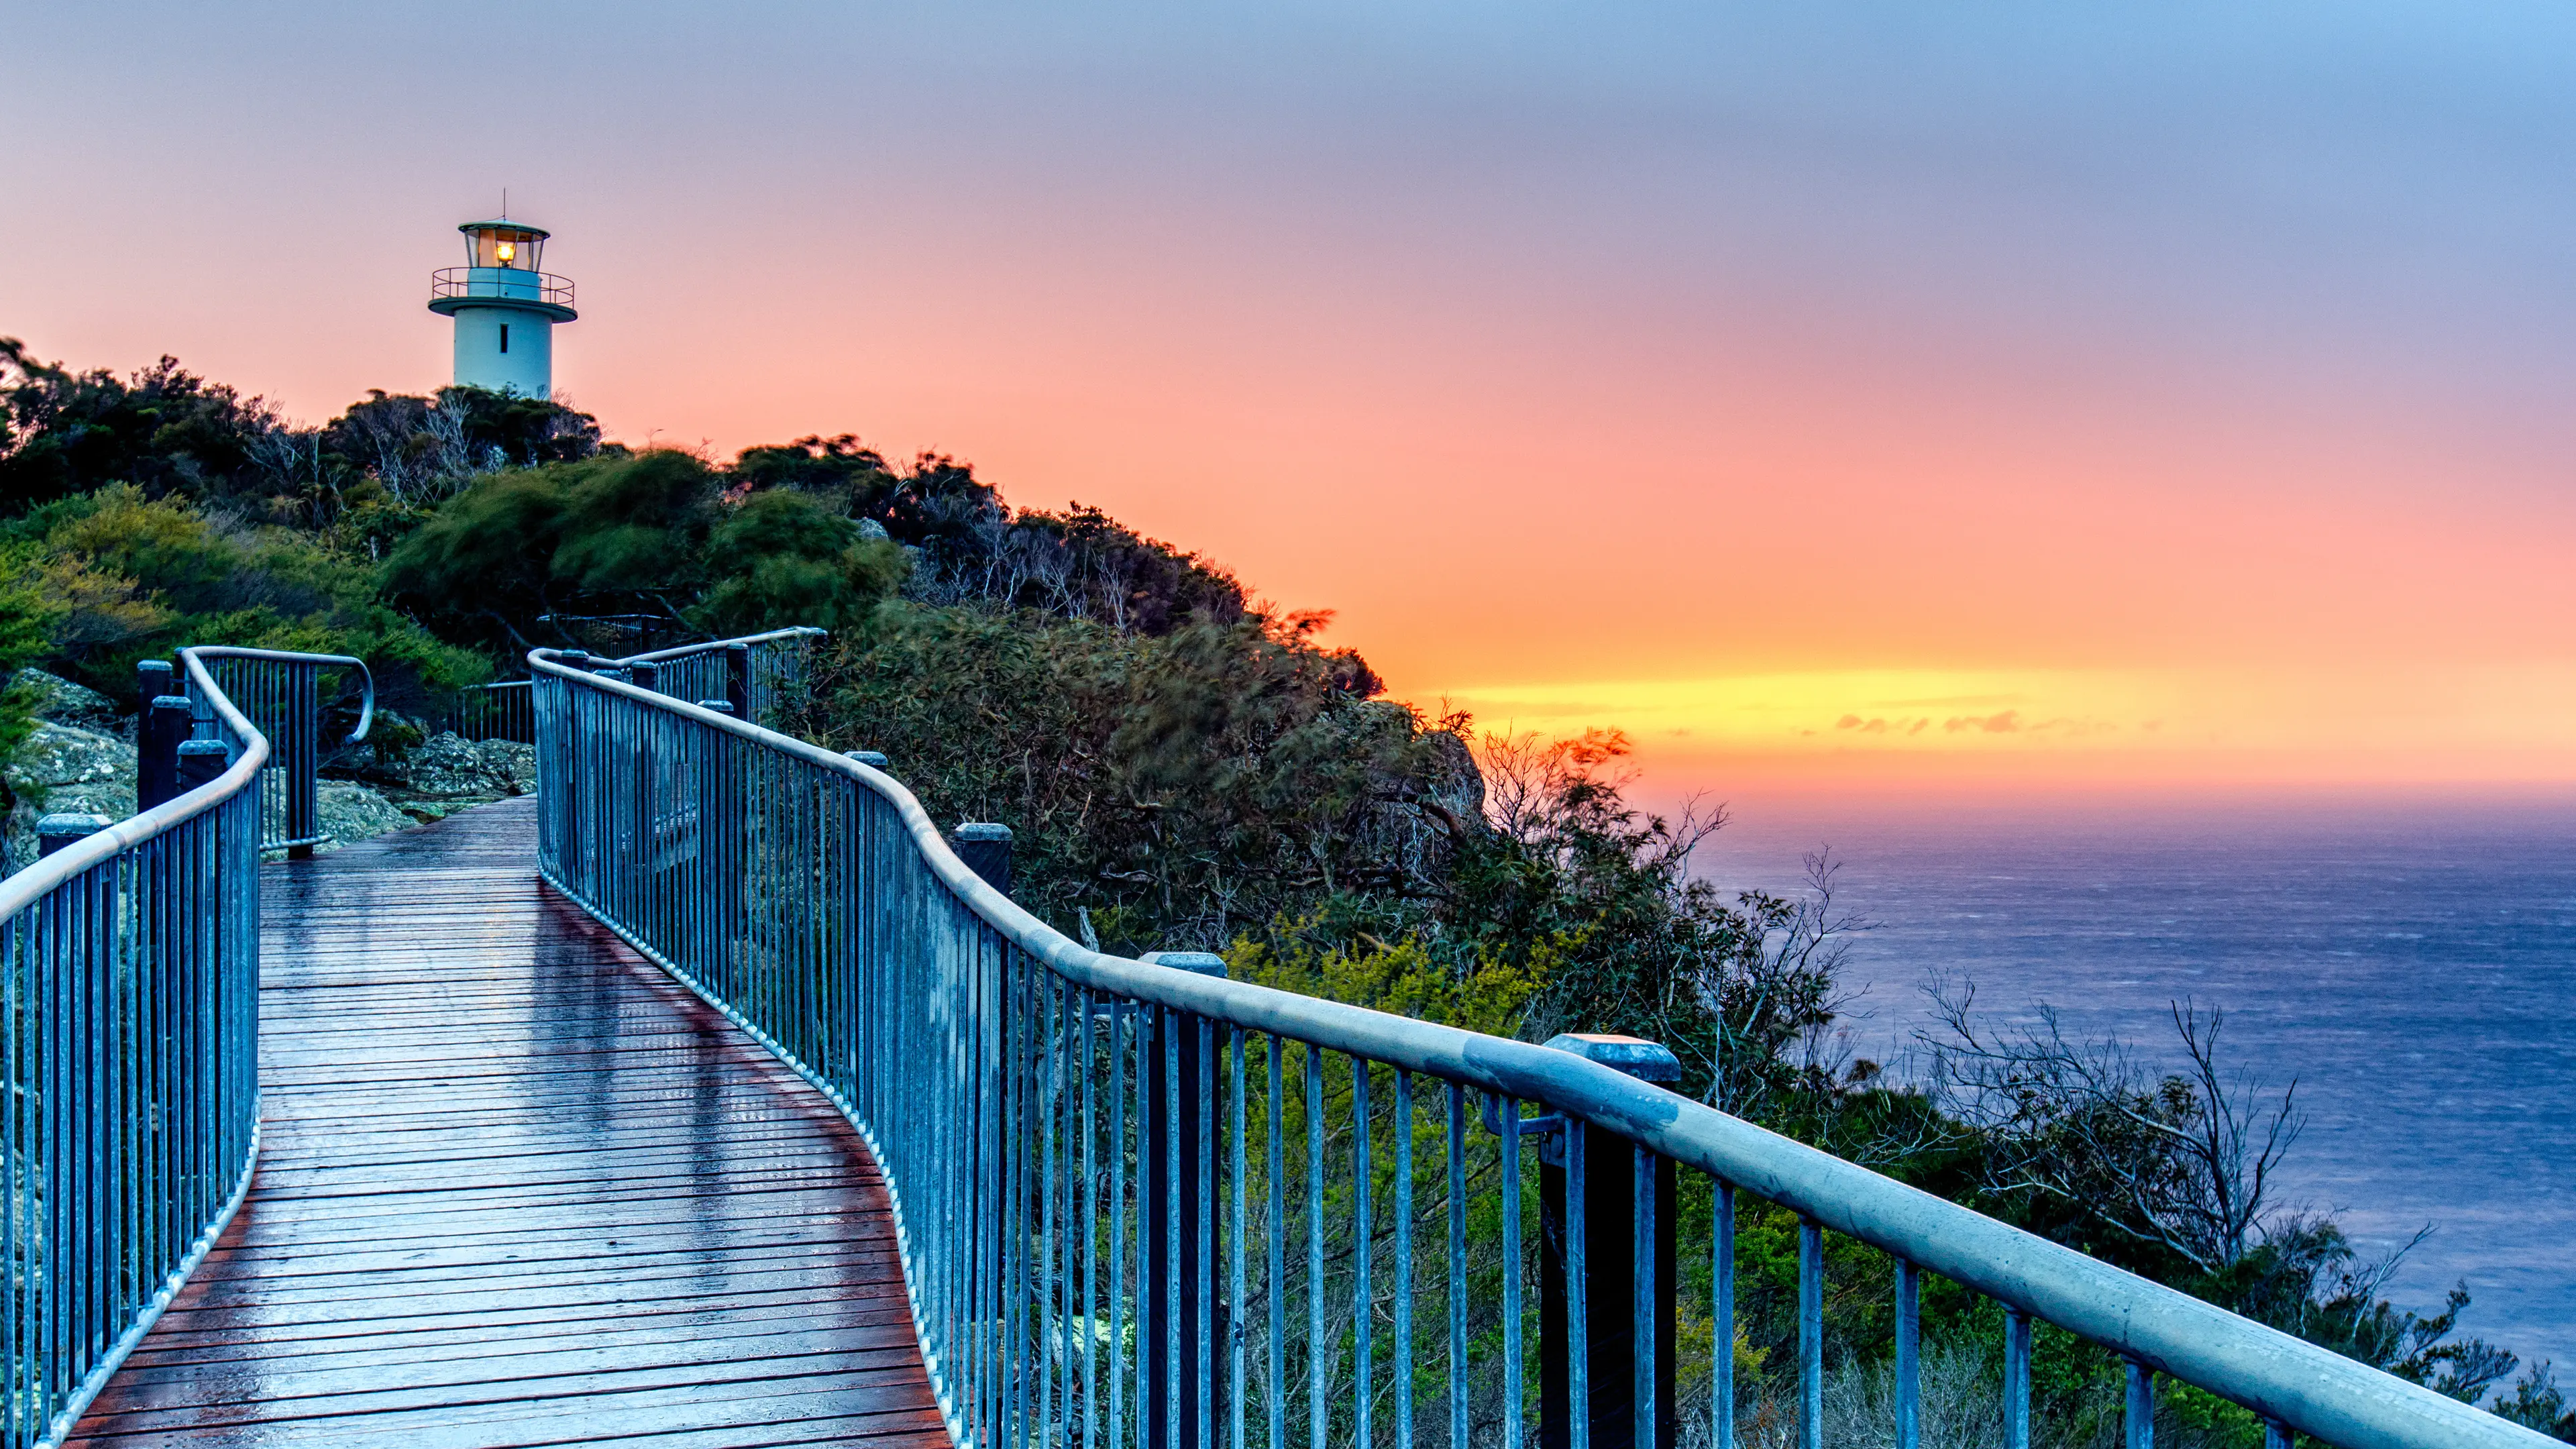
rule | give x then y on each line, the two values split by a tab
77	705
447	773
62	769
347	810
448	765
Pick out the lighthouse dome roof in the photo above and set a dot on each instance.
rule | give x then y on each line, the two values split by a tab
533	233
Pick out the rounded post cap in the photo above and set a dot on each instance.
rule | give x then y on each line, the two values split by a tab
720	706
1205	963
71	823
1647	1061
205	747
572	654
983	830
873	759
156	666
178	702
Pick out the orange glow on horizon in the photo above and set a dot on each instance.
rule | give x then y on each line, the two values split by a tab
1715	380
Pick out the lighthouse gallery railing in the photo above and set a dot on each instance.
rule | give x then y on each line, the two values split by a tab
129	1045
1142	1206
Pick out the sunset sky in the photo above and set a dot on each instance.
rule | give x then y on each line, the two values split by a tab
2135	393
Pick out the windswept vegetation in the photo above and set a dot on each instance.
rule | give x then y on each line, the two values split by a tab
1184	767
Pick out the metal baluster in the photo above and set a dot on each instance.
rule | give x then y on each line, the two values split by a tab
1404	1284
1578	1288
1119	1019
1360	1244
1317	1420
1202	1347
1644	1262
1089	1218
1909	1356
1511	1190
2016	1378
1235	1395
1721	1310
2141	1415
1457	1266
1274	1239
1811	1334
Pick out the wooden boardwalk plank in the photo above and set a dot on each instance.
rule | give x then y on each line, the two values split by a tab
517	1188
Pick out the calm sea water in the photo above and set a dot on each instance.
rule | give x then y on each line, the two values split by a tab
2412	964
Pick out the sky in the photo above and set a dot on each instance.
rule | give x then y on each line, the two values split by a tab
2143	394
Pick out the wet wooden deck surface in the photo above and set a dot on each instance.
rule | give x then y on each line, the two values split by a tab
515	1187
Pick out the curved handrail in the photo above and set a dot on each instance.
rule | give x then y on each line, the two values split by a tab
366	676
793	631
28	886
72	971
2281	1377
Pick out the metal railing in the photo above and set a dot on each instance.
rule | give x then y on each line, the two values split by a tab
281	694
524	286
1140	1205
498	711
754	674
129	1043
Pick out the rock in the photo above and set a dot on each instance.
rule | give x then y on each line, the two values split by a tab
872	530
62	769
67	703
446	765
511	761
65	770
350	811
447	773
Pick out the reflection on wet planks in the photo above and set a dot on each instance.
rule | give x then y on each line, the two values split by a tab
517	1188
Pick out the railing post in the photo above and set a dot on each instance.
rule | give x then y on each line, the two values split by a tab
56	831
155	774
874	760
1618	1374
646	675
1182	1319
164	726
200	761
153	678
986	850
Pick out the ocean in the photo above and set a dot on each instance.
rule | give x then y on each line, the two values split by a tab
2412	964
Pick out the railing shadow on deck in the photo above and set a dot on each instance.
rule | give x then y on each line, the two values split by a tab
1144	1204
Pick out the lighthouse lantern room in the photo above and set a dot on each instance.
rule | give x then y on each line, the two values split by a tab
505	308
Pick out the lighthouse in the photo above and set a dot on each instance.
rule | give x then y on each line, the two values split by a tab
505	307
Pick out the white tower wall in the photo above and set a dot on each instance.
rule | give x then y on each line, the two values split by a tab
524	362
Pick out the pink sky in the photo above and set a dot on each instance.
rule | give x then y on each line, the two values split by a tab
2183	387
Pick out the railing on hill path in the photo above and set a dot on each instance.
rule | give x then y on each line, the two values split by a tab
499	711
130	1045
752	673
281	694
1140	1205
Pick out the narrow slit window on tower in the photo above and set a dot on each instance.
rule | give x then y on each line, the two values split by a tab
505	337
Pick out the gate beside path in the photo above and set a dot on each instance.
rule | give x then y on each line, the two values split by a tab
517	1187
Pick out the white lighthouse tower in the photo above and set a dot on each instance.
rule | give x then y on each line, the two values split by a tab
505	308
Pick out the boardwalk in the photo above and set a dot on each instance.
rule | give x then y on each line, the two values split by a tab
518	1188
